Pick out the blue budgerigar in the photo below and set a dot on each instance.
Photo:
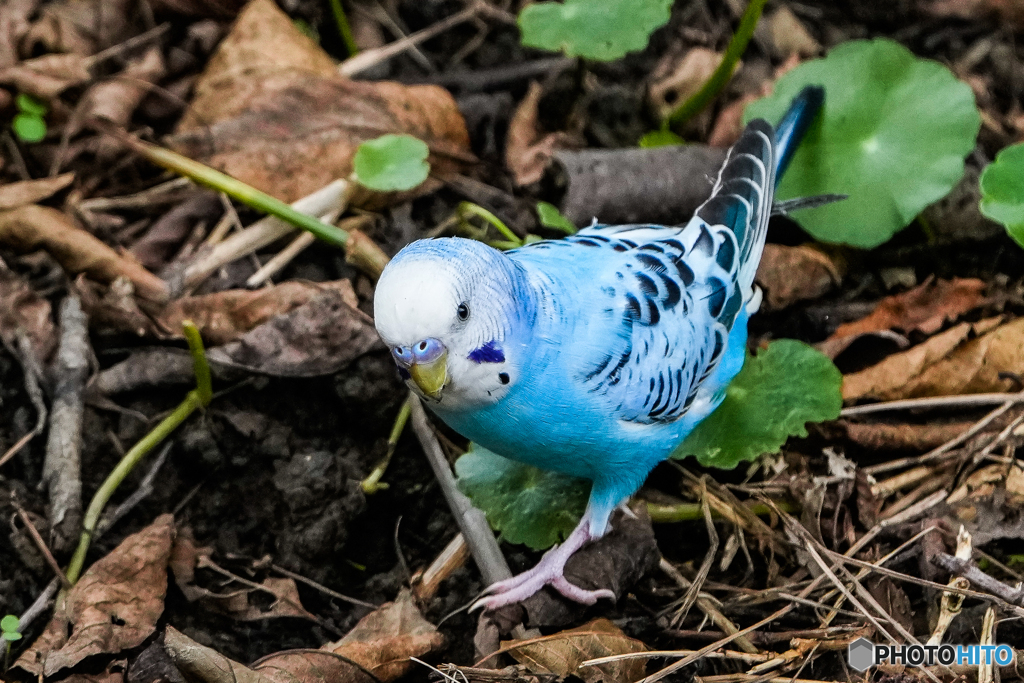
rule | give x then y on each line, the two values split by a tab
593	355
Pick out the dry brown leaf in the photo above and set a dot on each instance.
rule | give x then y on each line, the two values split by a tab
113	607
214	9
925	308
39	227
47	76
562	653
789	36
528	150
75	26
186	557
965	359
1011	11
224	316
285	122
115	99
22	309
201	663
319	337
114	673
674	81
13	25
876	436
791	274
384	640
25	192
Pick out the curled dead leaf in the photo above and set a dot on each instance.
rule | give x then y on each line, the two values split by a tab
47	76
113	607
24	310
791	274
115	99
319	337
925	308
224	316
563	653
528	150
674	81
39	227
965	359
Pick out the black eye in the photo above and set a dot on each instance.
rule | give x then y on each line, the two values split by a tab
463	311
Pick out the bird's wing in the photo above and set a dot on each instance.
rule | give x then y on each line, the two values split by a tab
671	299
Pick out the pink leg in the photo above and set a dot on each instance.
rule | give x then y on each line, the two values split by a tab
549	571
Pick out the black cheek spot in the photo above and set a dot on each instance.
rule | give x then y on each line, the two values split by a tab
404	374
503	377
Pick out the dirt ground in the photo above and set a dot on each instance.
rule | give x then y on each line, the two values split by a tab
268	475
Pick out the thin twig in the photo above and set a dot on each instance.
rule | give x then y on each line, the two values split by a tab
966	401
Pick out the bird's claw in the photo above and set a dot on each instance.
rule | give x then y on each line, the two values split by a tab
520	587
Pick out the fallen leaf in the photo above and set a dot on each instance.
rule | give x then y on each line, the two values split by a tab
39	227
201	663
285	122
13	195
528	149
47	76
319	337
1009	11
13	25
114	100
791	274
965	359
562	653
113	607
164	236
75	27
789	36
224	316
674	81
384	640
214	9
23	309
878	436
114	673
925	308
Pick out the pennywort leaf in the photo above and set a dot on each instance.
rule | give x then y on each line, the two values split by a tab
1002	191
771	399
527	505
892	135
604	30
392	163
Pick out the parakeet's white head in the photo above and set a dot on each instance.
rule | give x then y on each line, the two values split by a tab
455	314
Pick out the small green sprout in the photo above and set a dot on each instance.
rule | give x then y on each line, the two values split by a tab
551	217
1002	191
892	135
662	137
9	626
29	124
392	163
603	30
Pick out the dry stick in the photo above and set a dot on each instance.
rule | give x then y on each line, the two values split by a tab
31	374
810	588
968	401
705	568
323	589
951	603
40	544
934	454
707	606
969	571
62	466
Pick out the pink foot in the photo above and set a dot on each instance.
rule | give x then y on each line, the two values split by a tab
549	571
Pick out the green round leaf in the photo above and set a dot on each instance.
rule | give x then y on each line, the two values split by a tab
526	504
392	163
604	30
1002	191
893	135
30	105
773	396
29	127
10	623
552	218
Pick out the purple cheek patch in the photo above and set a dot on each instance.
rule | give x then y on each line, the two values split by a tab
403	373
488	353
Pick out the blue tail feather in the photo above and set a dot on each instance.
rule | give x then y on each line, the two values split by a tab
794	125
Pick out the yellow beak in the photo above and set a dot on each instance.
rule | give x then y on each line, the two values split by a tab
431	377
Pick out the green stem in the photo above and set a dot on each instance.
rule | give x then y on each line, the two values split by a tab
248	195
372	483
691	512
197	398
702	98
344	28
467	209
